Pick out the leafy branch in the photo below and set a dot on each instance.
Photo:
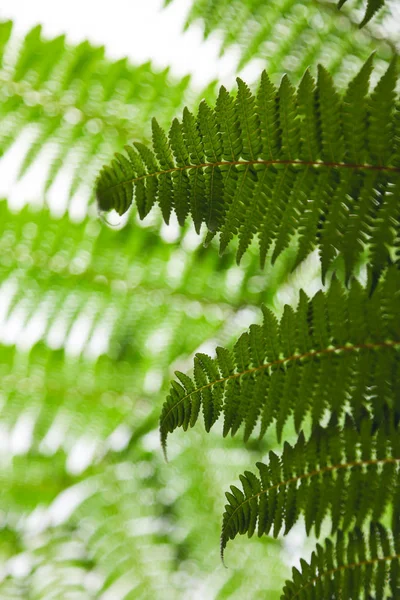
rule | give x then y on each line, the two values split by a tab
338	471
336	346
285	164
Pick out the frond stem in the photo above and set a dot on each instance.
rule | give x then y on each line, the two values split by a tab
348	465
306	163
281	361
349	566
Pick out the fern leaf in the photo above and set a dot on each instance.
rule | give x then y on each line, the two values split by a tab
318	357
381	130
373	6
308	163
306	101
248	121
329	110
354	111
288	122
369	562
337	472
267	110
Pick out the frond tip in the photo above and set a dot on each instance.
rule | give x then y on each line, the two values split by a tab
349	474
352	567
338	347
287	163
373	6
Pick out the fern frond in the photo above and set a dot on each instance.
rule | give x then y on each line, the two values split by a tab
308	163
354	566
350	474
333	350
373	6
289	37
75	102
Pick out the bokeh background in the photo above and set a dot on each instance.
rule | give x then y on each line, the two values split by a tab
94	319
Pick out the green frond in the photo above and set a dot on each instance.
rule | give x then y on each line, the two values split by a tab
354	114
287	36
373	6
333	350
349	474
309	164
354	566
94	320
77	103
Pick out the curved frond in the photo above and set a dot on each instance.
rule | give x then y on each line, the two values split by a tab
350	474
336	349
354	566
287	36
306	164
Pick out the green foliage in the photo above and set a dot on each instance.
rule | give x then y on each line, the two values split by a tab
333	349
304	164
372	7
352	567
93	320
289	36
77	103
58	274
349	473
98	262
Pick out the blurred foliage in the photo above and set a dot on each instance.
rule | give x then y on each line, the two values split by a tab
93	321
77	106
289	36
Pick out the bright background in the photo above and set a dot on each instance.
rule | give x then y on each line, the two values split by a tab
140	30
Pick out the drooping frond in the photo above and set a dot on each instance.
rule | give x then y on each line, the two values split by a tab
354	566
75	103
350	474
306	164
289	36
373	6
336	349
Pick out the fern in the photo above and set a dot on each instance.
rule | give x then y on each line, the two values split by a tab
289	36
332	350
351	474
353	567
373	6
91	320
286	163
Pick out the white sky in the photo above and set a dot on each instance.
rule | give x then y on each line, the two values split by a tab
142	30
